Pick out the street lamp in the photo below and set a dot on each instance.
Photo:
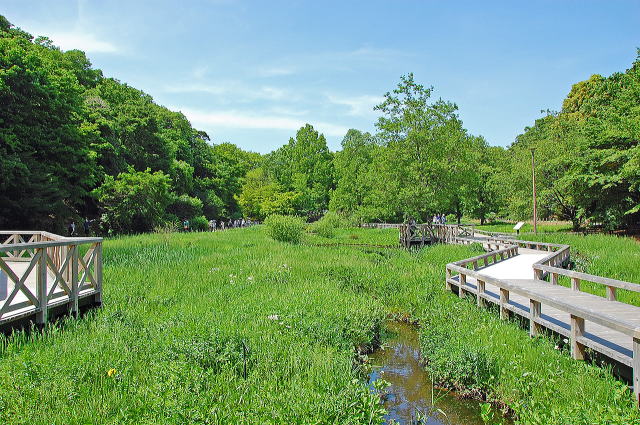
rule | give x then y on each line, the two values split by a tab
533	177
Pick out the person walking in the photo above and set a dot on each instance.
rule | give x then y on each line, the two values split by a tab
87	226
72	228
185	225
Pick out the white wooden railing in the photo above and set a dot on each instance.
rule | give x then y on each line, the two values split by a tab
42	270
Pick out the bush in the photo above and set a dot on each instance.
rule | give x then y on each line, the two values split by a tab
322	228
333	219
284	228
327	225
184	206
199	224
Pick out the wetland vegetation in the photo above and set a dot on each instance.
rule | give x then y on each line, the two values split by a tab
186	314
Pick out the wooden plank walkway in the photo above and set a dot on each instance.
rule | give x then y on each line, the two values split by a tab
518	271
512	275
43	273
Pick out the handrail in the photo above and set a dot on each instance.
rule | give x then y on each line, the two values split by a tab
44	269
559	254
603	319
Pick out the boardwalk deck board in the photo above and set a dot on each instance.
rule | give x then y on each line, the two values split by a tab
601	323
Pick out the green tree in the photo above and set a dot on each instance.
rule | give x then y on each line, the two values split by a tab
134	201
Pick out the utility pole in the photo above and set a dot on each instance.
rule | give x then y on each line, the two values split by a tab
533	177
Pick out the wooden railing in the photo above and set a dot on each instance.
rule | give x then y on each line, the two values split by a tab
42	270
458	273
611	285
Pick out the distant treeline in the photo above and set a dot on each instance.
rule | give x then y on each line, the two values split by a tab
75	144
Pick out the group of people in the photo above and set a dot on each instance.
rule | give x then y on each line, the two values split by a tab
439	219
86	224
221	224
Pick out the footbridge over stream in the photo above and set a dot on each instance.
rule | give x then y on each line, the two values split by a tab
530	280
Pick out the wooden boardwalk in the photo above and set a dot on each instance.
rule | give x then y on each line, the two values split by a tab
513	275
43	274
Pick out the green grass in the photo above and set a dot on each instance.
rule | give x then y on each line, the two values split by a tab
179	307
543	227
356	236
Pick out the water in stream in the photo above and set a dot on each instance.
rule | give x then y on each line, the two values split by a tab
411	395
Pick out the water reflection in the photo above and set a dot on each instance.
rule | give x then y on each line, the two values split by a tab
411	398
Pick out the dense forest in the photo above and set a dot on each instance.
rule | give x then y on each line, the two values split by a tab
75	144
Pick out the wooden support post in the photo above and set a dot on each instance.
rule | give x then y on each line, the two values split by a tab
480	300
73	297
537	274
636	369
577	331
535	309
41	287
554	278
611	293
98	271
504	301
475	264
447	285
486	261
463	281
495	258
575	283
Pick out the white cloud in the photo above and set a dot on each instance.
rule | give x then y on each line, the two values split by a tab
276	71
235	119
239	91
84	41
358	105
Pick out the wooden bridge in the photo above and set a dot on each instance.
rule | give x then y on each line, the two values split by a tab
527	279
43	275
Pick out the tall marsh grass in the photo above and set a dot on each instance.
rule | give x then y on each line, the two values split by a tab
233	327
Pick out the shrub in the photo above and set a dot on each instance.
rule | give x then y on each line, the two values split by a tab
322	228
199	224
285	228
335	220
184	206
327	225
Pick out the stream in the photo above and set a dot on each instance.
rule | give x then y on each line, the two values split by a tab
411	398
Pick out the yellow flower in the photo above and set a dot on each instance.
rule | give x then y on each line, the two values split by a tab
111	372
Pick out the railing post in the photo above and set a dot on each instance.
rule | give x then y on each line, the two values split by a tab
73	297
504	301
554	278
98	270
41	287
537	273
611	293
575	283
481	287
486	261
447	284
577	331
636	369
475	264
535	309
463	281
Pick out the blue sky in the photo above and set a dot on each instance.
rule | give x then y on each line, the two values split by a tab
252	72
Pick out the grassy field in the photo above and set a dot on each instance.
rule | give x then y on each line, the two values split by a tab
543	227
184	314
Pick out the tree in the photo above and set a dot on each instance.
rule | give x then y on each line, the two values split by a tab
45	163
135	201
304	165
423	168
